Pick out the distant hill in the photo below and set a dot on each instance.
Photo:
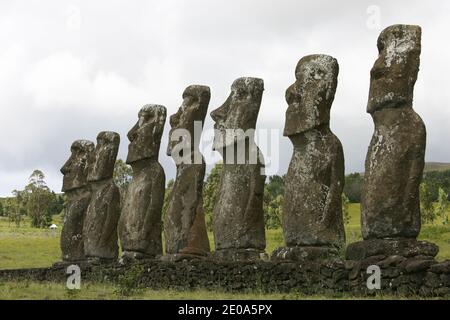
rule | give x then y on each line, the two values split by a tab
431	166
437	166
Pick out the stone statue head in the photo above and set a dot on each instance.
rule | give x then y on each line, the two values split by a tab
145	136
194	107
311	96
239	111
394	73
75	169
101	166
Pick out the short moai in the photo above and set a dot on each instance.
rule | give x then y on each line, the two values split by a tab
100	225
390	208
238	222
313	224
140	225
78	195
184	225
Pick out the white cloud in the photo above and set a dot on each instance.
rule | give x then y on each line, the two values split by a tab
61	83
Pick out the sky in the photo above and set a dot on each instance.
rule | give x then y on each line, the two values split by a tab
70	69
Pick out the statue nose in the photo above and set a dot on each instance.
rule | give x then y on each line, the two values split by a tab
218	114
290	94
174	119
65	168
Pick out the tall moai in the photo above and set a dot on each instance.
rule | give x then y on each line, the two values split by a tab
184	225
100	226
78	195
312	211
238	221
140	225
390	208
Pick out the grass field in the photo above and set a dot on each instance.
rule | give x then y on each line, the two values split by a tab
436	166
104	291
27	247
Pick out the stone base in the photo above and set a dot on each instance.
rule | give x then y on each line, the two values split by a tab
188	253
239	255
304	253
194	251
130	256
175	257
399	276
68	263
391	247
98	260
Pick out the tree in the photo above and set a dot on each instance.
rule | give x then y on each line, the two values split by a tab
426	204
38	200
210	192
273	202
442	206
345	208
122	176
2	209
56	205
15	207
436	180
353	186
273	211
167	195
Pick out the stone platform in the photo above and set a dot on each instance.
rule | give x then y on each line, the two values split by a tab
399	275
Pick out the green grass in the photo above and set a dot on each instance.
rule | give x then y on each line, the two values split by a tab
28	247
105	291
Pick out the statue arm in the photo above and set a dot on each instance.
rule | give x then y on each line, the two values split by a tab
337	178
112	214
415	173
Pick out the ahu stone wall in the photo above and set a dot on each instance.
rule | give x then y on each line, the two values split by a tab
399	276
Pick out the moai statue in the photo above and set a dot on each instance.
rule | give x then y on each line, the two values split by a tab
184	225
312	212
238	224
140	222
100	225
78	195
390	208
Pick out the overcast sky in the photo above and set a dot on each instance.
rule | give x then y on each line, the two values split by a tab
69	69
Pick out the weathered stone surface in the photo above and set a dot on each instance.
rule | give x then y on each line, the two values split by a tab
308	277
100	226
304	253
401	247
75	170
78	195
184	225
442	267
312	211
418	265
395	159
239	255
140	221
71	241
391	261
238	213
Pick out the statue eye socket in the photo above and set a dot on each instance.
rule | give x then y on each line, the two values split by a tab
147	116
376	73
241	93
289	98
380	45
